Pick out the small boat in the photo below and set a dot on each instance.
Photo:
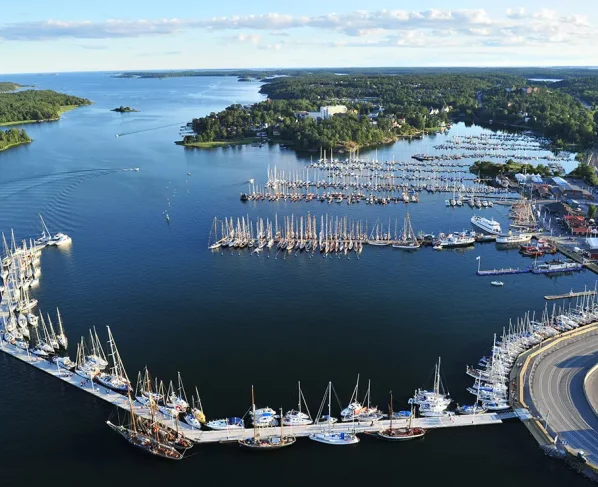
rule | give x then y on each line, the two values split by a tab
64	363
226	424
195	417
497	283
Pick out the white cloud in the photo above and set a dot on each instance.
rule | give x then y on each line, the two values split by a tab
516	13
384	28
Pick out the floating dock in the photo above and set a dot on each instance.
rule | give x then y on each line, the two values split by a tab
501	272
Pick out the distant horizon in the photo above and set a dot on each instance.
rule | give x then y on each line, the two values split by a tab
301	68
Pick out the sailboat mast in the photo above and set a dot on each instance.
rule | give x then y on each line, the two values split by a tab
255	434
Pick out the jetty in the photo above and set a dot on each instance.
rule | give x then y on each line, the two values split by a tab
502	272
569	295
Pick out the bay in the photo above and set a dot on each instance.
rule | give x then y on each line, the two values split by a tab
227	321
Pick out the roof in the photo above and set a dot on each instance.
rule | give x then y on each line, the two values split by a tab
592	243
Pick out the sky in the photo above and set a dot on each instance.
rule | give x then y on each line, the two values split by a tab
110	35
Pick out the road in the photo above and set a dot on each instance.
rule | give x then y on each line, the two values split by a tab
558	394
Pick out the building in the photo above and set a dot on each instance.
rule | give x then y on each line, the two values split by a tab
329	111
577	225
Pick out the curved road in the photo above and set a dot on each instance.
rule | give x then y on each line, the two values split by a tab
558	384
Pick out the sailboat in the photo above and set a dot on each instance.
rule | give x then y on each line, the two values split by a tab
148	443
408	240
116	379
400	434
97	355
195	417
85	368
61	336
328	435
267	443
298	417
433	403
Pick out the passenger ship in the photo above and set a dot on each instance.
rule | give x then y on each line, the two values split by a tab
488	226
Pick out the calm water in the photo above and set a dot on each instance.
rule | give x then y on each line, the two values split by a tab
228	321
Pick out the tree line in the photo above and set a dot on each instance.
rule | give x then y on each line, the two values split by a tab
35	105
12	137
406	104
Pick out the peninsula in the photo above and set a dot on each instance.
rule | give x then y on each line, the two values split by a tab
31	106
310	111
13	138
7	86
122	109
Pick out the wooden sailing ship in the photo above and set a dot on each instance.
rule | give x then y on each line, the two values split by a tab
400	434
259	443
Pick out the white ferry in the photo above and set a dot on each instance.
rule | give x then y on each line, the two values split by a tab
488	226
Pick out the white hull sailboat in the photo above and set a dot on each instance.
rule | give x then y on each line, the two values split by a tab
328	435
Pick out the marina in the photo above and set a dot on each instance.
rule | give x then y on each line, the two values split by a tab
204	314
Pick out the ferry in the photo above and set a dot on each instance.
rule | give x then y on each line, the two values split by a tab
489	226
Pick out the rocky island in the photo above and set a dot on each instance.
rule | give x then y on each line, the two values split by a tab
122	109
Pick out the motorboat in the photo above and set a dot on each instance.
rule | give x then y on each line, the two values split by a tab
226	424
335	438
64	362
497	283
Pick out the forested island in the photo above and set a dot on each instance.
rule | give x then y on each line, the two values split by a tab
123	109
487	169
31	106
12	138
380	108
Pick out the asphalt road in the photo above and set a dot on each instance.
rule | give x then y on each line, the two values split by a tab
559	396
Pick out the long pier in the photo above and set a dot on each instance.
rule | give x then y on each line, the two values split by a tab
502	272
222	436
569	295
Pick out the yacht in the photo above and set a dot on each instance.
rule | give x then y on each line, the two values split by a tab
226	424
264	417
487	225
454	240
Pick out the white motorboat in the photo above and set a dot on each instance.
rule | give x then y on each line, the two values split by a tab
488	226
264	417
497	283
455	240
64	362
226	424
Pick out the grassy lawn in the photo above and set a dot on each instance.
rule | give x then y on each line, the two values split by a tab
219	143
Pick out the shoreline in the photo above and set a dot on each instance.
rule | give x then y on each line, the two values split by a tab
61	110
276	140
15	145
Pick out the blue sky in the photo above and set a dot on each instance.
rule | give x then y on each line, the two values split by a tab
67	35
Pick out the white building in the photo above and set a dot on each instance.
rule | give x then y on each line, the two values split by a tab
329	111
